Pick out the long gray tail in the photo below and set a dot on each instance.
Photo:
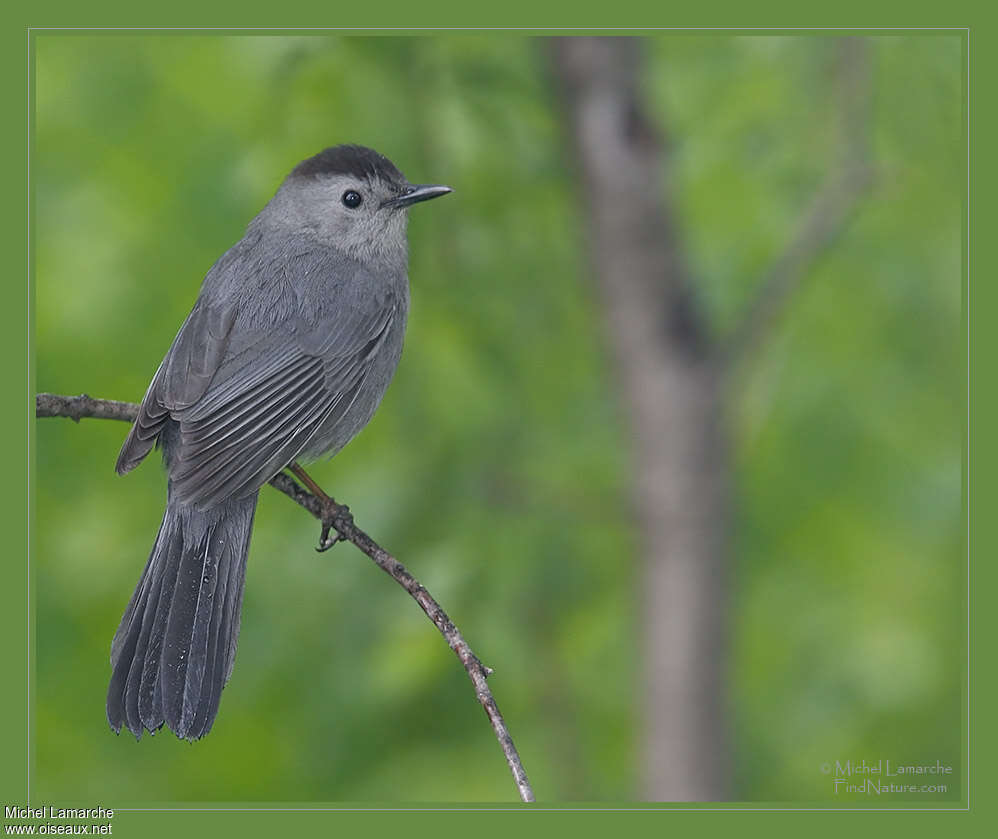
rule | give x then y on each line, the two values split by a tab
175	647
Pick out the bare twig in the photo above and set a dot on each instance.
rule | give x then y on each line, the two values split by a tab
342	520
77	407
830	211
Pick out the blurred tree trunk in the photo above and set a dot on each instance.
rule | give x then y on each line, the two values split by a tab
671	376
670	388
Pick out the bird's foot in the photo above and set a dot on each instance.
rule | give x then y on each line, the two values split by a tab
336	518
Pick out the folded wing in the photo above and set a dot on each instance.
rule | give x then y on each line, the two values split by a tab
246	409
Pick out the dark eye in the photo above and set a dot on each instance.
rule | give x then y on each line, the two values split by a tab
352	199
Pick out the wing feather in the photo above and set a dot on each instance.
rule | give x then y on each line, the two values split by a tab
254	433
268	433
245	398
181	379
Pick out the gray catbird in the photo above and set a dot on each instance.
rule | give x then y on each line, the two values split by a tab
286	354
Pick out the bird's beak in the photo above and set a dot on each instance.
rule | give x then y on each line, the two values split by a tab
415	194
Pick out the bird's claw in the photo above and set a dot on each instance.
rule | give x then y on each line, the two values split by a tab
334	516
325	542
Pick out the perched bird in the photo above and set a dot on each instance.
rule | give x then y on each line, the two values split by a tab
286	354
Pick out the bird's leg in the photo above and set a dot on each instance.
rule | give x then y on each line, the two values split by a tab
334	516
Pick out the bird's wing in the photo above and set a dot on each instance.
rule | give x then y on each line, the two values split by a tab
259	417
246	408
181	379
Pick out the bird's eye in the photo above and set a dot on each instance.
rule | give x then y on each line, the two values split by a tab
352	199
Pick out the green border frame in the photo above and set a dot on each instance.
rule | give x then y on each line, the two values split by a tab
15	613
17	317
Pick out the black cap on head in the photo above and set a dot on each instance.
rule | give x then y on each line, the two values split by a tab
357	161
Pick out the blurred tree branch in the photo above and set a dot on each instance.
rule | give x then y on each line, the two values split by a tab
338	516
830	211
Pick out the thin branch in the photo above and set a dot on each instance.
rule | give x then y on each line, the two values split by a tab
829	213
342	520
77	407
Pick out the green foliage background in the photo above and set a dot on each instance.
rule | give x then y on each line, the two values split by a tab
498	466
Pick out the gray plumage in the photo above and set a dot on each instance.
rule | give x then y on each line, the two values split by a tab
286	355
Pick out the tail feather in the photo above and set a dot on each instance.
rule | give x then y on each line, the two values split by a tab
221	649
125	646
141	655
175	647
148	697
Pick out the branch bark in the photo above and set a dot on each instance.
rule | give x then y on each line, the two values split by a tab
78	407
